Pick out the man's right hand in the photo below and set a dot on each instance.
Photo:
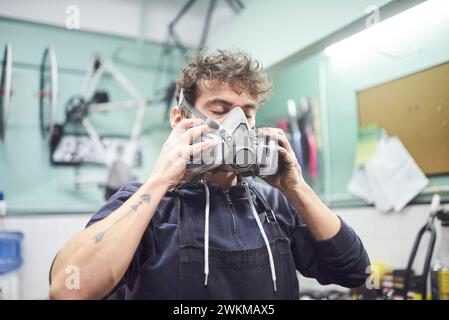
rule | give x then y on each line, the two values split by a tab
103	251
177	150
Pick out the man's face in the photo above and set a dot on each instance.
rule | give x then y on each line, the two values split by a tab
217	100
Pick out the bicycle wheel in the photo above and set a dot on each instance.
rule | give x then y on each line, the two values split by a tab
5	89
48	92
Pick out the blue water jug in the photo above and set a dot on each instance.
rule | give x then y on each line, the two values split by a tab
10	251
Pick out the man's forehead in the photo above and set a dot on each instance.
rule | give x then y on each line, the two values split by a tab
210	89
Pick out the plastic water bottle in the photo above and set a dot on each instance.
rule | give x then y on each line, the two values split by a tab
10	262
10	258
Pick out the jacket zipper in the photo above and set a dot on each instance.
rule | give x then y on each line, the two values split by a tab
234	217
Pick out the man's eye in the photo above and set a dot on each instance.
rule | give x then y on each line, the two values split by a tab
218	113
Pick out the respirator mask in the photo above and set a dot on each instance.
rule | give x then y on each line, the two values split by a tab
240	149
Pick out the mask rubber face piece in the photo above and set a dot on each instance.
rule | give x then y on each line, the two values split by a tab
241	149
243	155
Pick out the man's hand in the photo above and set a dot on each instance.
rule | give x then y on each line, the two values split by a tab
288	177
322	222
177	150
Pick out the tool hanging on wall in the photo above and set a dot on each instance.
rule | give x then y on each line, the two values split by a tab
296	133
316	124
302	136
308	142
5	89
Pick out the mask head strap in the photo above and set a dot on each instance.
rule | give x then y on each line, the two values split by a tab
195	112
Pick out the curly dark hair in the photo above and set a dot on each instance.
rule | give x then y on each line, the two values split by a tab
236	68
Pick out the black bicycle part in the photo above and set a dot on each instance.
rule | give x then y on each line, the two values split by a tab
428	227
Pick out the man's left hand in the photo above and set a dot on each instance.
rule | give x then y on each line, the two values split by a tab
288	177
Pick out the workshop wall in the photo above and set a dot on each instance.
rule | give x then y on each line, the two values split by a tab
300	80
273	32
30	183
406	51
333	81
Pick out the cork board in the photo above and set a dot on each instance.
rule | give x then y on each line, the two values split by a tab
416	109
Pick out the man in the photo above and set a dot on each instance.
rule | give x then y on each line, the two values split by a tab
157	241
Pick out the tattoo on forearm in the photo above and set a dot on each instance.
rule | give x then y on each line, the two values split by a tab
143	199
99	236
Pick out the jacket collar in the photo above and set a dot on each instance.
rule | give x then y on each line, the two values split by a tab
196	187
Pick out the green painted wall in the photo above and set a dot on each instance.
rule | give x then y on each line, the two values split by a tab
337	80
300	80
274	30
26	177
29	181
297	81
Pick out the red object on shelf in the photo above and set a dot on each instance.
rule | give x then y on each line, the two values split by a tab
283	124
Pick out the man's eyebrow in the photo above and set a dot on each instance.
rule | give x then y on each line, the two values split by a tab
222	102
228	104
250	106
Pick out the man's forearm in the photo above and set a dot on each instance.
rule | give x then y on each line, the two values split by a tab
321	221
103	251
